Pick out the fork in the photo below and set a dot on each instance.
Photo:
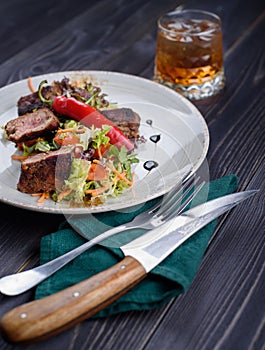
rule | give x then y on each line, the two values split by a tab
170	205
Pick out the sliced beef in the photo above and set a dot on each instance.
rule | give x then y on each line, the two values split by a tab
45	171
126	120
32	101
31	125
29	103
57	88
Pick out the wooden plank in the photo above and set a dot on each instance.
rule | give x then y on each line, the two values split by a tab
24	23
91	46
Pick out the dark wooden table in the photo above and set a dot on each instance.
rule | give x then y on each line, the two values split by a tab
225	306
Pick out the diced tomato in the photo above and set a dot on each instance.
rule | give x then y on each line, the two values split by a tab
96	172
66	139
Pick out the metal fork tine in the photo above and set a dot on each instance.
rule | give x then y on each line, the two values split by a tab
172	212
186	179
173	200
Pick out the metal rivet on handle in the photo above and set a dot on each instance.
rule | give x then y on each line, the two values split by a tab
123	267
23	315
76	294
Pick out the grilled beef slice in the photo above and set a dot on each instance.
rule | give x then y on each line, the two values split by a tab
32	101
45	171
126	120
29	103
31	125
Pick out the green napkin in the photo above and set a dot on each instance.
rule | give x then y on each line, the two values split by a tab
171	278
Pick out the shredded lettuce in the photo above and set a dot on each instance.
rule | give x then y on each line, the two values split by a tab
70	123
99	136
123	160
85	138
77	179
40	145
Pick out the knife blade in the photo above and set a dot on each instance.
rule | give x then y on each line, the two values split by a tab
40	319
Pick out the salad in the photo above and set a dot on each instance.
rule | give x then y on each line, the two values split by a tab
69	120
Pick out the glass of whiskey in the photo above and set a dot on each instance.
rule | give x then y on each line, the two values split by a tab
189	53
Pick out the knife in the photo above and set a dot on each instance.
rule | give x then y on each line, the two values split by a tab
40	319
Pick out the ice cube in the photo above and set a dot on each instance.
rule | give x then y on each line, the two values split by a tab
177	26
186	39
206	37
206	58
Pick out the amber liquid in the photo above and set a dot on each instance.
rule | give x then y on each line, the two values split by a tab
186	57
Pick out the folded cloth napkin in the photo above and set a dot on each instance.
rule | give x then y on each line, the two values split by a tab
170	278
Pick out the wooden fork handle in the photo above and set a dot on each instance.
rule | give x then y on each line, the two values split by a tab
40	319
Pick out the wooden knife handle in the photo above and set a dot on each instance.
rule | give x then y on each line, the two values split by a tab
40	319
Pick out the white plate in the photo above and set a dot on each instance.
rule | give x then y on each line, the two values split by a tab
184	139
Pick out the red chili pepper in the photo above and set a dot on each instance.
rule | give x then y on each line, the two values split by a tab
89	116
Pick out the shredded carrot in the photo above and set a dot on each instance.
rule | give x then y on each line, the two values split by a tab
122	177
42	195
96	191
102	149
45	195
64	194
37	194
18	157
78	131
99	153
30	84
